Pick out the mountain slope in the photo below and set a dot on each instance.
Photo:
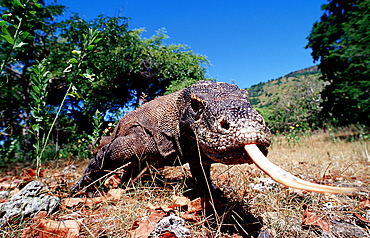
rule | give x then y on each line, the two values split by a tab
289	101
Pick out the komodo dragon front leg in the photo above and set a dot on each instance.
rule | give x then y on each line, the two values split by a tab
131	148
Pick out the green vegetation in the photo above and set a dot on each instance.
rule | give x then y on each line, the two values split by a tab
340	42
290	103
292	106
55	76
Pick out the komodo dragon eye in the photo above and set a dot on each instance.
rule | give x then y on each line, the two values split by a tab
196	104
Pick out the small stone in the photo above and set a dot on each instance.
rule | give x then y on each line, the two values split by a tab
69	169
172	224
26	203
4	194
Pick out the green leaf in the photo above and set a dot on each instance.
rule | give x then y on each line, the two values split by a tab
18	3
34	96
91	47
6	16
73	61
24	35
4	29
37	72
35	127
44	89
36	89
8	38
97	40
38	5
75	95
9	29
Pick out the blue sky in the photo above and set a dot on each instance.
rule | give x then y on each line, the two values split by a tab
247	42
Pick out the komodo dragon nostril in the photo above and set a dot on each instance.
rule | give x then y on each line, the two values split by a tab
224	124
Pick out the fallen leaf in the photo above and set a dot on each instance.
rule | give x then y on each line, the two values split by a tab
235	236
90	202
54	186
40	215
112	195
61	195
10	184
143	228
364	204
180	201
49	228
57	175
192	217
361	218
72	202
200	204
167	208
151	206
196	205
311	219
6	178
168	234
32	173
115	194
113	181
223	177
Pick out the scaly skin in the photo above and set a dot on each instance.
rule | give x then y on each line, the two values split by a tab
205	123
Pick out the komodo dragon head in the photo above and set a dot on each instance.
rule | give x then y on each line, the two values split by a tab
223	121
229	131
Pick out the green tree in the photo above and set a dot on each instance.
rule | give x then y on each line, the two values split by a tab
116	68
122	70
341	42
25	24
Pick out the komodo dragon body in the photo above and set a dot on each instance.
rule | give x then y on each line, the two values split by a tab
204	123
207	122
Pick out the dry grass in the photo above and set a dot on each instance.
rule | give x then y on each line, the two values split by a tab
316	158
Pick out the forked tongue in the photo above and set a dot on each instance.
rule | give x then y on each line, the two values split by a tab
286	178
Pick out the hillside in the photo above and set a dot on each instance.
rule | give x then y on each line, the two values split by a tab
263	94
289	100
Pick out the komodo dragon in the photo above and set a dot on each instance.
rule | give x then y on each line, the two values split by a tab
207	122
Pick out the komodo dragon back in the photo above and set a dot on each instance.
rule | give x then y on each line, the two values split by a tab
207	122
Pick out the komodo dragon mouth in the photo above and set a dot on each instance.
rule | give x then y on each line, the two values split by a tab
286	178
235	156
